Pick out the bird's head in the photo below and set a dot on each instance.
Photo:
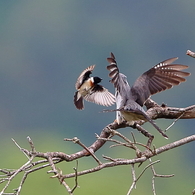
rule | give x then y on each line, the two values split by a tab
97	79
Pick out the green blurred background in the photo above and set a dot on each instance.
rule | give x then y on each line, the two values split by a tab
44	46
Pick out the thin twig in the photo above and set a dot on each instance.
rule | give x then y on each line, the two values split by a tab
136	179
109	158
174	122
76	140
153	185
113	160
20	148
152	163
138	152
76	177
58	174
145	133
31	144
133	185
119	143
156	175
124	138
12	176
26	174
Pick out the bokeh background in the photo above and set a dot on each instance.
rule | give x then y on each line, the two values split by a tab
44	46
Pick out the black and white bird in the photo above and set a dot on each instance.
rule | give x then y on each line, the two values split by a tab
130	100
88	88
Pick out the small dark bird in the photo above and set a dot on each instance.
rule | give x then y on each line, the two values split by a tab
88	88
130	100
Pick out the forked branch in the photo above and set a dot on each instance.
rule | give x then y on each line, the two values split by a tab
51	159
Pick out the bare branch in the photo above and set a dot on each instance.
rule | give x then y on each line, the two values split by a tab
145	133
12	176
119	143
174	122
52	158
171	112
136	160
20	148
157	175
31	144
76	177
76	140
133	185
136	179
58	174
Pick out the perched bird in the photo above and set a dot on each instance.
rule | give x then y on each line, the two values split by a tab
130	100
88	88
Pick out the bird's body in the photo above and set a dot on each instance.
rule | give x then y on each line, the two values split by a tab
88	88
130	100
136	112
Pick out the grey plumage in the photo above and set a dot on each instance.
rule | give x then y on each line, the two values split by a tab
130	100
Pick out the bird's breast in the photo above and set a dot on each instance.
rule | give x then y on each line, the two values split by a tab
86	87
131	117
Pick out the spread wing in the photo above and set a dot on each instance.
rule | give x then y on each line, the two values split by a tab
84	76
122	88
118	79
101	96
159	78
